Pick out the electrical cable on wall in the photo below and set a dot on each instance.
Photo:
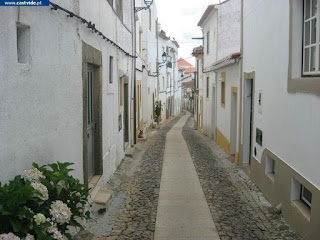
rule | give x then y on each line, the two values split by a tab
91	26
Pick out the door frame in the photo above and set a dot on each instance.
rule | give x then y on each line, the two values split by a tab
234	90
248	77
92	57
214	113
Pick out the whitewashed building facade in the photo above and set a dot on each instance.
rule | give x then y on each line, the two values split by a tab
219	84
281	107
66	86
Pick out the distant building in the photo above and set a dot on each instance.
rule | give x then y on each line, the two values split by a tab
218	93
187	74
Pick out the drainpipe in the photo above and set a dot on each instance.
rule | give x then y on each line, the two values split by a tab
174	81
133	88
158	81
241	87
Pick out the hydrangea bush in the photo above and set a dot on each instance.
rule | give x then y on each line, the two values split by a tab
42	203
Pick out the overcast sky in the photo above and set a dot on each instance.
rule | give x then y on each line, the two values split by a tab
179	19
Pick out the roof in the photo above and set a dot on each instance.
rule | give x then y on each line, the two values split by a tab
163	35
206	14
229	57
189	84
183	64
208	11
197	50
190	70
223	62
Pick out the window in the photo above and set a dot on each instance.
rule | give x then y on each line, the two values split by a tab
121	100
197	75
111	69
311	38
223	89
207	87
301	198
270	166
140	41
23	43
208	42
163	83
119	7
304	70
150	19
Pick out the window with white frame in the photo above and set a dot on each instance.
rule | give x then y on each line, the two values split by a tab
311	38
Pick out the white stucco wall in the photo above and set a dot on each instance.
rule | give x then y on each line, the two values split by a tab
41	102
290	122
224	113
224	25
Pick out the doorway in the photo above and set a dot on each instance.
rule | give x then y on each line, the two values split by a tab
126	114
213	114
247	120
233	122
91	112
90	121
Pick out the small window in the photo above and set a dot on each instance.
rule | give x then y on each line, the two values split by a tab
111	69
223	89
119	8
121	94
208	42
23	43
311	38
270	167
207	87
306	196
301	198
150	19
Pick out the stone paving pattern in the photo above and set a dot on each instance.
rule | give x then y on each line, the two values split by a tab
239	209
135	185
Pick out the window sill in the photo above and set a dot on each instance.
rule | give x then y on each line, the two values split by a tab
270	176
303	209
304	85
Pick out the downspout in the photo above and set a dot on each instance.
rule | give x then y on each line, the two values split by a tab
133	88
158	81
241	88
174	82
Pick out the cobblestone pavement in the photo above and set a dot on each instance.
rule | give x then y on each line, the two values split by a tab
136	183
238	208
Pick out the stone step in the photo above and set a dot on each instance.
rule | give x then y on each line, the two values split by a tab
103	196
129	152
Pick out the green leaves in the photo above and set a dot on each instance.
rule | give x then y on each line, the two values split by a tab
19	202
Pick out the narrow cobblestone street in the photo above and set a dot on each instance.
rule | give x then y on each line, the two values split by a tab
238	208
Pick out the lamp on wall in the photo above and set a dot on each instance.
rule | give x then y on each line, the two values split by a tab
164	57
148	4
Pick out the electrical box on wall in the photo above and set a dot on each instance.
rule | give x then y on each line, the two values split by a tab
260	93
259	136
120	122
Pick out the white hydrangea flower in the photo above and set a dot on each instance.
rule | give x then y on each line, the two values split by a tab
9	236
56	234
29	237
60	212
42	189
33	175
39	218
62	184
